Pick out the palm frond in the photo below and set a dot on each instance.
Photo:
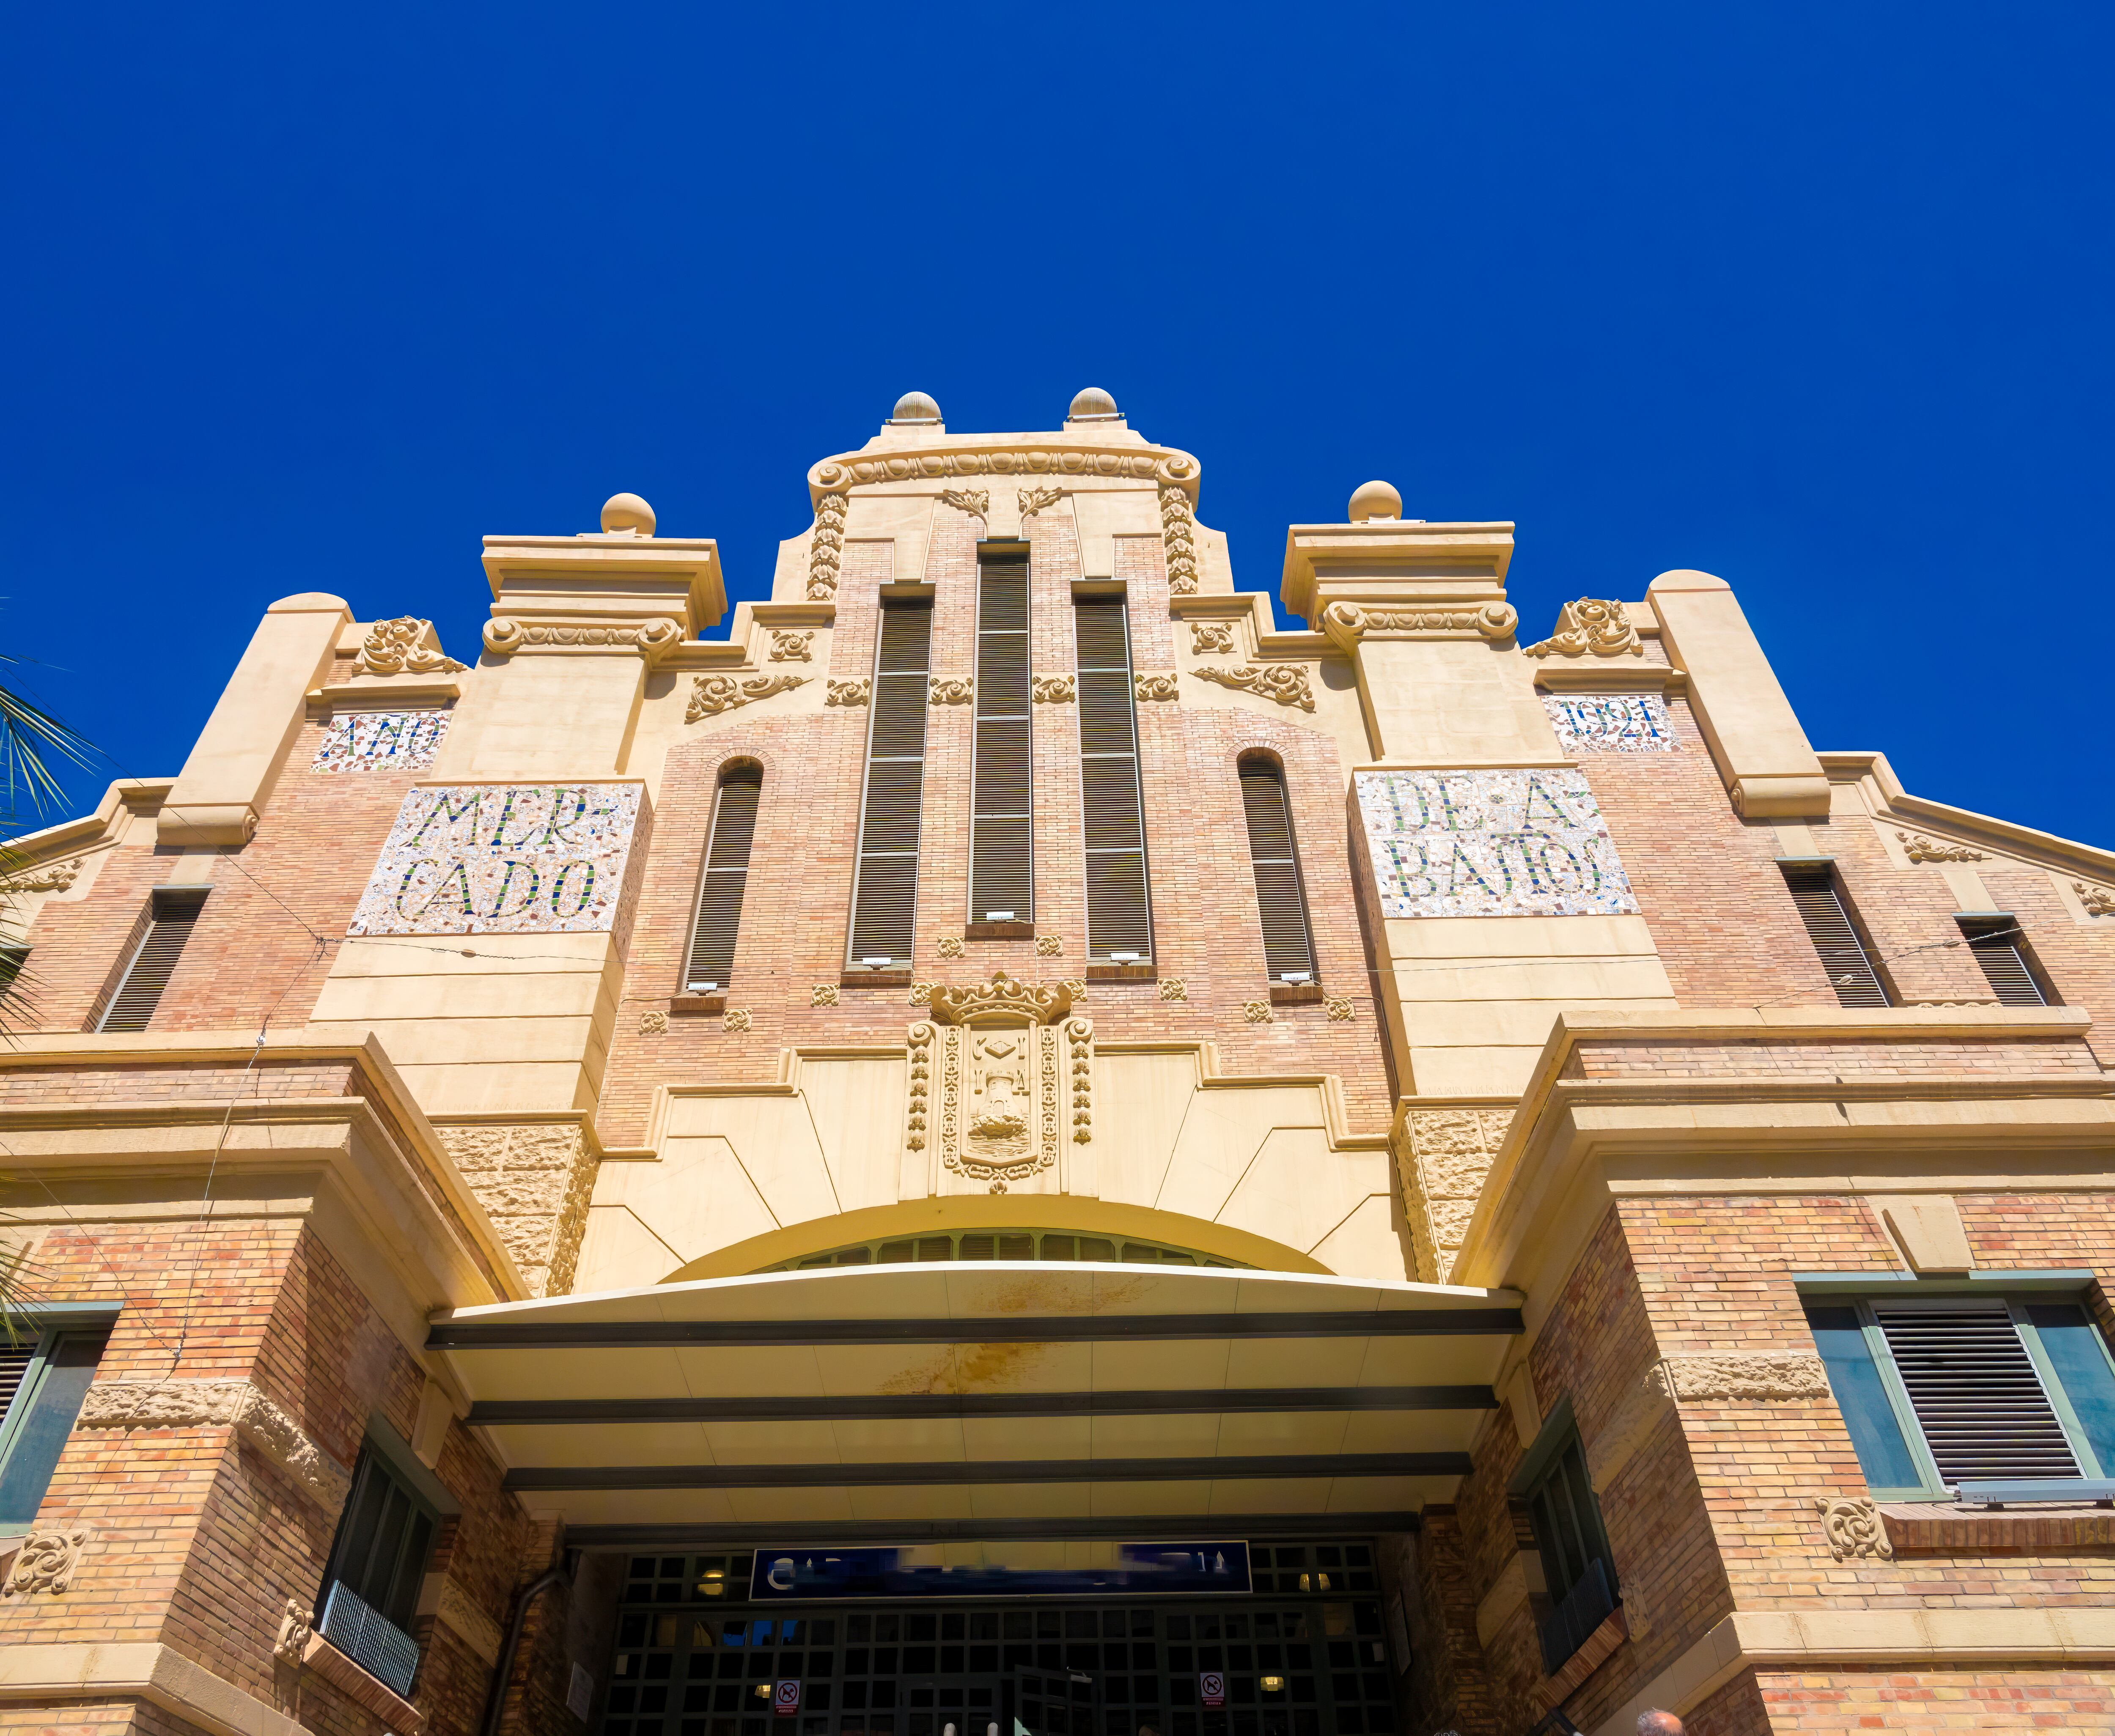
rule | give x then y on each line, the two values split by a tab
32	743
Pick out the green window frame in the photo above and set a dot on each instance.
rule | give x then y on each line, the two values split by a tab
57	1362
2057	1394
1555	1489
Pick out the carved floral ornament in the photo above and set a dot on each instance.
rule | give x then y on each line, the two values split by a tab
1595	625
1853	1527
46	1562
1178	536
945	690
653	639
399	647
1155	683
975	501
47	876
1033	500
295	1631
2097	900
1053	689
1919	848
1165	466
1287	683
1346	623
1211	635
826	548
711	695
849	692
791	647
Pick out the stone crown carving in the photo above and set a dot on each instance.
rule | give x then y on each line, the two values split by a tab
1919	848
257	1418
1346	623
1053	690
1592	626
653	639
1287	683
1001	1000
399	647
711	695
849	692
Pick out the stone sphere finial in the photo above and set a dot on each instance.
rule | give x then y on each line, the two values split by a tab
1375	499
915	406
627	512
1093	404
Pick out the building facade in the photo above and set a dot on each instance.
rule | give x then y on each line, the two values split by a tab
1009	1147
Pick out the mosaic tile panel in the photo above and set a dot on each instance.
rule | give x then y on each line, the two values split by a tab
381	741
1490	844
1611	723
503	859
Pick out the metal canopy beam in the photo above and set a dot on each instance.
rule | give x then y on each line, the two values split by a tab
1277	1467
667	1539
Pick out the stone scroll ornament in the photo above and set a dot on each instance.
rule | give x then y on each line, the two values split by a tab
711	695
826	548
1178	536
46	1562
1490	843
1592	626
504	858
404	646
854	692
1287	683
1854	1528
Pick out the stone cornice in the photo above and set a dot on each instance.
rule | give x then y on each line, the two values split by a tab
1067	454
188	1691
2063	856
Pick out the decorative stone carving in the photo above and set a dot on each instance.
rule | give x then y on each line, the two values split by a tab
1591	626
46	1562
791	647
505	637
1165	466
653	1023
1049	946
1443	1156
1853	1527
1174	988
1002	997
533	1180
1346	623
1033	500
1211	635
711	695
1287	683
1079	1046
823	994
478	1630
950	946
1155	685
1053	690
47	876
849	692
921	993
1748	1375
975	502
404	646
826	548
295	1631
1919	848
735	1018
1256	1012
919	1098
1074	987
257	1418
953	690
1611	723
380	741
1178	536
2098	900
1338	1007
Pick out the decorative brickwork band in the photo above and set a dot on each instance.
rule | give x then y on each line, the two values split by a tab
404	646
46	1562
710	694
1287	683
257	1418
534	1180
1853	1527
1591	626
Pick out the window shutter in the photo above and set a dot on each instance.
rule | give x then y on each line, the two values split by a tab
1995	942
1119	915
170	914
1002	843
1974	1391
885	902
725	880
15	1360
1287	947
1829	926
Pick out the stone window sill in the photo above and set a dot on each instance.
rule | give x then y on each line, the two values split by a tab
1949	1529
875	979
1600	1647
1294	994
1143	971
681	1005
998	931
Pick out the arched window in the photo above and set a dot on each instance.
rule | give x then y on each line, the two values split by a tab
725	879
1288	948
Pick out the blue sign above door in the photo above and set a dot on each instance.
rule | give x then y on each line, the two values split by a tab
1007	1570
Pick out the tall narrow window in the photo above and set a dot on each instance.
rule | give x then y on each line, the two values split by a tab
1119	919
726	878
1836	939
1002	842
44	1382
2000	949
885	901
371	1586
152	950
1553	1486
1288	949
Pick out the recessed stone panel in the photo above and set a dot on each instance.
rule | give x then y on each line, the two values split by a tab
1611	723
503	859
1485	843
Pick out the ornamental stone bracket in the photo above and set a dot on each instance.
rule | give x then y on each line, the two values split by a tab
1853	1527
255	1418
654	639
46	1562
405	646
1287	683
1591	626
711	695
1345	624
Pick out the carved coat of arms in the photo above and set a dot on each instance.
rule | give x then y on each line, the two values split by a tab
1009	1070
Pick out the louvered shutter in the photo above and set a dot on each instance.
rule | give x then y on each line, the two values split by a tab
1287	948
1975	1390
1995	942
1836	942
725	881
15	1360
1119	917
171	915
884	904
1002	844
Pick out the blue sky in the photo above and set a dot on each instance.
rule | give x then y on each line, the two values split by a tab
1815	298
